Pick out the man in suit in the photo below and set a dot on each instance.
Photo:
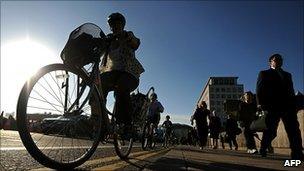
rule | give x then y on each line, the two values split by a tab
275	94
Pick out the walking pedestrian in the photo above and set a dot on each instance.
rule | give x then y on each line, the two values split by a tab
215	128
200	116
232	131
275	94
246	113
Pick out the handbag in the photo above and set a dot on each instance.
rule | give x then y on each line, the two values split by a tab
259	125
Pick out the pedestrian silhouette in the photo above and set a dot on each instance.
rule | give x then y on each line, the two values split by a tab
275	94
215	128
200	116
231	131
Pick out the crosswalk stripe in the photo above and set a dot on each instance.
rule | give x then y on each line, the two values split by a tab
122	164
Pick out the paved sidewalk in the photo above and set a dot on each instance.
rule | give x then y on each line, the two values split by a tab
192	158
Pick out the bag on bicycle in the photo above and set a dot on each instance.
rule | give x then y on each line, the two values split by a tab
85	45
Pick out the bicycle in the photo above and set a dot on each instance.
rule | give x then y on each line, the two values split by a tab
68	100
148	135
167	137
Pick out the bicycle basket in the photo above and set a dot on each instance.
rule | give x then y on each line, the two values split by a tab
85	44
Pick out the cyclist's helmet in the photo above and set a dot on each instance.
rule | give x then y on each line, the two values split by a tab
167	117
116	17
153	95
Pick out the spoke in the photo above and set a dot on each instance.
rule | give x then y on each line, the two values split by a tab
66	95
52	126
53	145
44	108
64	128
86	108
59	89
53	90
45	101
47	92
69	95
75	85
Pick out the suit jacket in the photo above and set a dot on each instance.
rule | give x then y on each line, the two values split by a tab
274	90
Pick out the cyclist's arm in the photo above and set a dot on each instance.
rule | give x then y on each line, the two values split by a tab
160	107
133	41
163	124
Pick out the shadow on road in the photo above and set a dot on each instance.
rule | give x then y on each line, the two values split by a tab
234	153
179	164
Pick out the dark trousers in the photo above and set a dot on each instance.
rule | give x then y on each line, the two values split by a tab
202	134
291	125
122	83
249	137
232	139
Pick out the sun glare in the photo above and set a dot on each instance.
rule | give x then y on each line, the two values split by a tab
25	57
20	59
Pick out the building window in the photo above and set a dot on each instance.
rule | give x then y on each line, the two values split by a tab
223	96
211	89
234	89
231	81
217	96
217	90
221	81
228	89
223	89
218	110
212	96
240	89
226	81
218	102
234	96
229	96
211	103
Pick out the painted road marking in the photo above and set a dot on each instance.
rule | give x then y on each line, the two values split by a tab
122	164
56	148
102	160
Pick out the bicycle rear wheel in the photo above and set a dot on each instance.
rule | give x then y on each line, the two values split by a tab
56	121
122	142
145	140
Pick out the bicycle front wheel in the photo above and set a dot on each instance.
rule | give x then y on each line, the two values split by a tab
56	120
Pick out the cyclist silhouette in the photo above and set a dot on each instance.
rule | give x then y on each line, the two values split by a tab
120	70
167	124
154	111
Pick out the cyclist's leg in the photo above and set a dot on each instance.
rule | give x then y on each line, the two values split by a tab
125	84
106	82
104	88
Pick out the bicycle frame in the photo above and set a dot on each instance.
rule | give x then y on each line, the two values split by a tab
94	78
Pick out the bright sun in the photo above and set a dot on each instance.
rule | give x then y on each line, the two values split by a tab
26	56
19	60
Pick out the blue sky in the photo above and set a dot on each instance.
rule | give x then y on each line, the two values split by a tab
183	43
